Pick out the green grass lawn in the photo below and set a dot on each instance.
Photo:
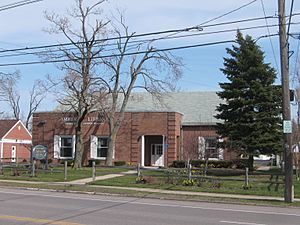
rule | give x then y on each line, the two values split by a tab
154	179
56	174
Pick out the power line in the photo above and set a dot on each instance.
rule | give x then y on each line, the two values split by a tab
218	17
296	64
153	33
18	4
141	35
101	40
226	14
269	33
290	19
155	39
125	54
147	40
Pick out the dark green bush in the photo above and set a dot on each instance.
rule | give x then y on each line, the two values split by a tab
97	162
212	163
119	163
69	162
198	163
178	164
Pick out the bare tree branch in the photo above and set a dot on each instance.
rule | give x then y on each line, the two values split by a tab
77	88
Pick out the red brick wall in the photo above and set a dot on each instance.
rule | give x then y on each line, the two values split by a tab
23	151
128	145
190	140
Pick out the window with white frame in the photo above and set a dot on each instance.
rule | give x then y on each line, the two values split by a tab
211	147
208	147
99	147
64	146
102	147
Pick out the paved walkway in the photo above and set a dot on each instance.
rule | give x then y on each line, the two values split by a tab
104	177
150	190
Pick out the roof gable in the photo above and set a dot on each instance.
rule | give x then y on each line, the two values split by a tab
18	131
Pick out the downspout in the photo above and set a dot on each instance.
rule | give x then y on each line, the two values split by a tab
165	154
181	143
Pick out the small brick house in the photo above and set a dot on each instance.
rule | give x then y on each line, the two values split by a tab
154	133
15	141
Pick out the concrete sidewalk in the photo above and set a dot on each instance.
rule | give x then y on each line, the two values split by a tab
104	177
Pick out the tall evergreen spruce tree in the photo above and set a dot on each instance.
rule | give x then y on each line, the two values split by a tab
251	121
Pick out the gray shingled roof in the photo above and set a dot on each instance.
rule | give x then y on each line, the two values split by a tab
196	107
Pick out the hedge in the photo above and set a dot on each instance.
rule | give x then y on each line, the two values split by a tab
236	163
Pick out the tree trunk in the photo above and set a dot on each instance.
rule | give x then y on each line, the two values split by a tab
111	148
250	162
78	147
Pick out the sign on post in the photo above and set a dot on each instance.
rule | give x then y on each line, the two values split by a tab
287	126
40	152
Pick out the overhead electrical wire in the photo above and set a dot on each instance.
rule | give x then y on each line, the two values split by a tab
18	4
199	27
189	35
125	54
139	35
269	33
145	34
155	39
228	13
218	17
290	20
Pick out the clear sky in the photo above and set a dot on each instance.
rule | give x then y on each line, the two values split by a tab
23	26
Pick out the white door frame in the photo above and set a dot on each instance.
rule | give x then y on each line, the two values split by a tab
13	153
143	151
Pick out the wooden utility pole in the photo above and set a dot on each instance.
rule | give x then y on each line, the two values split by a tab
287	123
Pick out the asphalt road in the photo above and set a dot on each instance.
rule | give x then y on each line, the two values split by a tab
38	207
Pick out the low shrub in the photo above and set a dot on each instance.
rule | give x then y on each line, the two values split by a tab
188	182
119	163
97	162
212	163
178	164
69	162
140	180
227	164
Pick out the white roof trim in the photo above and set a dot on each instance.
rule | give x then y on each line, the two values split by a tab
19	121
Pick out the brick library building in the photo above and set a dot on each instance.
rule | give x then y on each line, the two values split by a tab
180	126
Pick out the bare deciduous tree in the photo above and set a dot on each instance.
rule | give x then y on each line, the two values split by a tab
78	87
9	93
147	69
36	96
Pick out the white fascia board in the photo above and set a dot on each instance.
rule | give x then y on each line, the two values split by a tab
16	141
